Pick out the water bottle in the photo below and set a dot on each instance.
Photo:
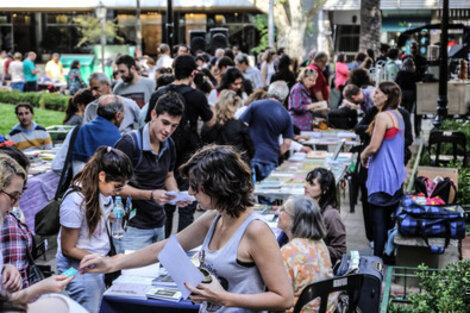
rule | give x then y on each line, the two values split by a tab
118	212
16	211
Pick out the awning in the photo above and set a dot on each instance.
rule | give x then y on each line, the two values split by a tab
402	24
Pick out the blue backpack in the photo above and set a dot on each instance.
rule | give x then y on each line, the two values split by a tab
429	221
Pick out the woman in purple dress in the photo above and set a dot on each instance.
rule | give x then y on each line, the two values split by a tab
385	157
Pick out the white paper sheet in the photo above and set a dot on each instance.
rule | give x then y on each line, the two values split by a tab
178	265
180	196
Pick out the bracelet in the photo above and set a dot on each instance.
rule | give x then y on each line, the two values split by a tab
151	194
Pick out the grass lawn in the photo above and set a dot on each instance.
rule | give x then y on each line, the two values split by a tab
42	117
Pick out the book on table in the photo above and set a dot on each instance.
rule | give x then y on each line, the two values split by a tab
162	293
164	280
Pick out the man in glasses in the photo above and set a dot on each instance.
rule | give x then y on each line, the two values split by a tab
101	86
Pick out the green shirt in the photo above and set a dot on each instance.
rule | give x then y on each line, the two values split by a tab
28	66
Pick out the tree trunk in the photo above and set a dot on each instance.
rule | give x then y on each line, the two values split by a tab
292	38
371	24
291	19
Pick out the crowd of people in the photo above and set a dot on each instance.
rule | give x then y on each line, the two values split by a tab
212	125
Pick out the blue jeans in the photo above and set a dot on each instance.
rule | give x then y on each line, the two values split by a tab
261	170
383	220
17	85
136	238
86	289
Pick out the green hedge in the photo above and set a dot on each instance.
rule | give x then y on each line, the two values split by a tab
45	100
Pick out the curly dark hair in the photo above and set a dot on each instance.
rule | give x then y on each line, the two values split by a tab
221	173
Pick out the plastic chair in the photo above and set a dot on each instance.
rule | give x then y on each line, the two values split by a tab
351	284
456	138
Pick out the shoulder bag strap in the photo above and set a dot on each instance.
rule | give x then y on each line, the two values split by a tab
138	143
112	250
65	169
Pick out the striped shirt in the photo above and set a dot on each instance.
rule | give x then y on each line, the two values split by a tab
35	138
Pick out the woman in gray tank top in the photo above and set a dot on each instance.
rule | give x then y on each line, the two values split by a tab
240	251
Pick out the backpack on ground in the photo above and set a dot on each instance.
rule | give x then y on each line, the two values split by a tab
373	270
444	188
428	221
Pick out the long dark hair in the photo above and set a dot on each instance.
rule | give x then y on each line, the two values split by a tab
117	166
230	76
393	92
82	96
326	179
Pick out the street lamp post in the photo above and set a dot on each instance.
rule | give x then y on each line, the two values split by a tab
101	15
271	24
169	23
442	98
138	30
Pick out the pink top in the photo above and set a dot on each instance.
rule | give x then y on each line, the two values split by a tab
342	74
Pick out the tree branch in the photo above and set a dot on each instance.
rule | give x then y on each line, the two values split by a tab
315	8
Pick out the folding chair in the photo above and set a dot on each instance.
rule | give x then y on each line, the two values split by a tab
351	284
456	138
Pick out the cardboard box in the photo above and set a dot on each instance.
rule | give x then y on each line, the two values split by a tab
458	97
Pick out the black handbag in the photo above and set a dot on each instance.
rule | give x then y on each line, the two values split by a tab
343	118
36	272
47	221
110	277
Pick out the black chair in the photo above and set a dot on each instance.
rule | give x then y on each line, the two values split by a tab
351	284
455	138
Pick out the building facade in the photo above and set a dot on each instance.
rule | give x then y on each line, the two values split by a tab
48	25
397	17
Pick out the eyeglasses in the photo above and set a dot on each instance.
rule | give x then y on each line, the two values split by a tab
13	198
283	210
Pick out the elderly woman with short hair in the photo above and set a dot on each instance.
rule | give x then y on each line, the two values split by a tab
300	101
306	256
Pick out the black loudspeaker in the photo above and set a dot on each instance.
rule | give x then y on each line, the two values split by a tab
197	40
219	38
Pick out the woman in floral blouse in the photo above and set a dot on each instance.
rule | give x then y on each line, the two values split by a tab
305	256
74	79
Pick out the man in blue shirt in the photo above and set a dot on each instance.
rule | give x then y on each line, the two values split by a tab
103	130
268	119
30	72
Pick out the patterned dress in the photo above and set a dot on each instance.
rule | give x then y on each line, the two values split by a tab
74	81
308	261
